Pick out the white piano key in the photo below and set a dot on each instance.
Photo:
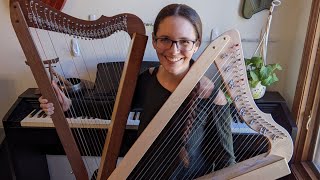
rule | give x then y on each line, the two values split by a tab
90	122
79	122
131	115
241	128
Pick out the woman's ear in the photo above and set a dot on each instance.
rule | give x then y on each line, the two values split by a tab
196	46
154	41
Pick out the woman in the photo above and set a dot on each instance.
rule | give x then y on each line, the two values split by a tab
188	152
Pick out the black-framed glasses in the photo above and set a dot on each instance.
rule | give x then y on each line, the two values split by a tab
165	43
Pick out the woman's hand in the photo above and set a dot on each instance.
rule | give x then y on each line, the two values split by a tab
64	101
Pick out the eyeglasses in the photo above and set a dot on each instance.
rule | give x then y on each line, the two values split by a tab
166	43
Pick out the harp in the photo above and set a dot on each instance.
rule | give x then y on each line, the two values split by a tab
39	29
226	53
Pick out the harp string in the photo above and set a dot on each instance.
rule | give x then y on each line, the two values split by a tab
97	113
171	134
206	156
113	89
38	27
264	144
102	88
83	110
207	106
98	144
80	95
36	24
106	73
213	150
117	67
79	133
189	138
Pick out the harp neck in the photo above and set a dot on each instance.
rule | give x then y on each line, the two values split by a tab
233	73
40	15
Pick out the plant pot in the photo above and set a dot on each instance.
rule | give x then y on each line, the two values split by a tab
258	91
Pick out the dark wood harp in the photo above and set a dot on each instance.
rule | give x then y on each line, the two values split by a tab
29	16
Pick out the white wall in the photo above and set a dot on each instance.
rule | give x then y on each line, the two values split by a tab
287	36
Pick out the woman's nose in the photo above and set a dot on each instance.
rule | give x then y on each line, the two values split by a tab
174	48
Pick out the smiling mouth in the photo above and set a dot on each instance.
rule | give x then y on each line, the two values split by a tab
173	60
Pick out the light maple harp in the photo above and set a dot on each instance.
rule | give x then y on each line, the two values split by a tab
31	19
226	53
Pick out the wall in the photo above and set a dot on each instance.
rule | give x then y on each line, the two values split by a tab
287	36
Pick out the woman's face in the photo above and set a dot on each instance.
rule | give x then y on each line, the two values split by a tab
175	28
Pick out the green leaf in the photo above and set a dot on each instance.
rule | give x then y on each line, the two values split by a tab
253	84
273	67
256	72
254	76
267	81
257	61
277	66
247	61
275	78
264	72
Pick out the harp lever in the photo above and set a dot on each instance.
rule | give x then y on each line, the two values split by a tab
227	69
237	98
231	84
242	112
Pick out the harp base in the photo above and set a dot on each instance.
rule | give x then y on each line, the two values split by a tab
260	167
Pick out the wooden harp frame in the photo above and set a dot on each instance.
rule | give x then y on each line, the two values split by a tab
22	19
270	165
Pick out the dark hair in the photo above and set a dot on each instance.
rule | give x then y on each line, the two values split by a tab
180	10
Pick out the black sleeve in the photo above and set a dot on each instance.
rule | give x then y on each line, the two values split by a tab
137	101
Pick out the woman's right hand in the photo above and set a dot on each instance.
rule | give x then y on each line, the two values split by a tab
64	101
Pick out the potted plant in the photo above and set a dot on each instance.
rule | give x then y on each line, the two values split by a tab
260	75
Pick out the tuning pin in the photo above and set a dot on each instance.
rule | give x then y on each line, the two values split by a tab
231	84
242	111
224	55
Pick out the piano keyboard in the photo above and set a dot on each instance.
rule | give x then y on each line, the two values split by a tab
38	118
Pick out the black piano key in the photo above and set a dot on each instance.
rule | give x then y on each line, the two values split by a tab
40	114
34	112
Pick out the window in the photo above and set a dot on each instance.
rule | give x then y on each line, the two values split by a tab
306	105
